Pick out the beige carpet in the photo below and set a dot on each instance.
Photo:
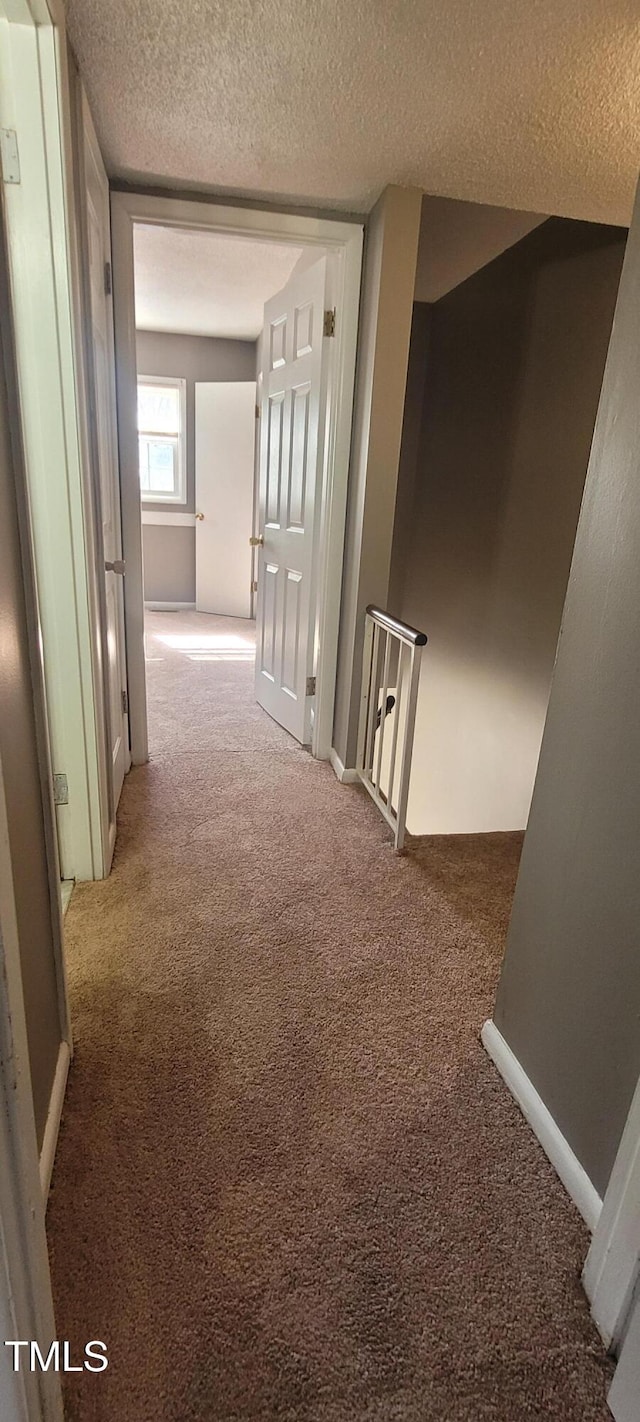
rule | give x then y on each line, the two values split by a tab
290	1184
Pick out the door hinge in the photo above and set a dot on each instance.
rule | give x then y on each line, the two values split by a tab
108	284
125	702
254	585
60	790
329	328
10	155
311	686
257	412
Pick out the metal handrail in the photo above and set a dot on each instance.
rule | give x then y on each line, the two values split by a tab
400	629
391	659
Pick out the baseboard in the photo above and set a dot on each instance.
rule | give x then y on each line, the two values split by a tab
66	889
567	1166
346	777
54	1114
170	606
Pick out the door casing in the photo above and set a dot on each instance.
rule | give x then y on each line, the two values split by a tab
93	199
343	242
611	1271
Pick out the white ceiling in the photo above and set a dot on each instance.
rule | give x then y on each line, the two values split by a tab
204	284
531	104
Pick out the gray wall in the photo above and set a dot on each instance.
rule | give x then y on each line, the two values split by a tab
459	238
569	996
169	551
391	245
515	363
20	683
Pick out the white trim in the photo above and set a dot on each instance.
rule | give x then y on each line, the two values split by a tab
567	1166
345	776
343	242
180	384
54	1116
186	519
611	1269
170	606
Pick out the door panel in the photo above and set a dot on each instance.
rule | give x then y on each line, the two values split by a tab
225	460
290	473
105	454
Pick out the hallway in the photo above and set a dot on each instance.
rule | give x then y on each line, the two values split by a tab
289	1183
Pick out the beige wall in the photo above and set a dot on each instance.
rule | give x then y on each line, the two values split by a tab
569	997
20	686
169	550
515	364
391	243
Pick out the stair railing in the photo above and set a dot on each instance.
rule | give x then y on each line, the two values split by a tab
390	676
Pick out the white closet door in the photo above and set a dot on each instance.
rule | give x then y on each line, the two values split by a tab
291	451
225	444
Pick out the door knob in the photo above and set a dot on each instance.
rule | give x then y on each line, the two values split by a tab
199	517
257	542
117	566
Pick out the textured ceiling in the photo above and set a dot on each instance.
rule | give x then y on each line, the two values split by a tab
204	284
458	238
532	104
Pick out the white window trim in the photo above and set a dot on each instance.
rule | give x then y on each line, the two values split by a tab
181	385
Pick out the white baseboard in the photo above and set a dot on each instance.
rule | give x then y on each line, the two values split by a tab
346	777
66	889
170	606
50	1141
572	1174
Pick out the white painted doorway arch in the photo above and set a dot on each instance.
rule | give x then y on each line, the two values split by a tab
343	243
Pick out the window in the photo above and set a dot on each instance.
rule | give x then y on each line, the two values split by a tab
161	435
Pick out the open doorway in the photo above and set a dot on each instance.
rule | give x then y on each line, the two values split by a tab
512	320
271	304
199	300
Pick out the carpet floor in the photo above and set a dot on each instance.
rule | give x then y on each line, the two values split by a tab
290	1184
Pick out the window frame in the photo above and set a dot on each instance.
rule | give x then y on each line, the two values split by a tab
180	384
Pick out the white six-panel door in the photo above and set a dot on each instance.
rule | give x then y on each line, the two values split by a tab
225	459
291	451
99	254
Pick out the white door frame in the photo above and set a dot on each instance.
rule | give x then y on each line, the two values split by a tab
45	289
343	242
611	1269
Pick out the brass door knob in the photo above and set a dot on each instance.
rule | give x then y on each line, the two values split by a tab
199	517
257	542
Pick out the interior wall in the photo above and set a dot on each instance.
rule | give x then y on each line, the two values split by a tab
20	684
515	363
169	549
569	997
459	238
388	279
